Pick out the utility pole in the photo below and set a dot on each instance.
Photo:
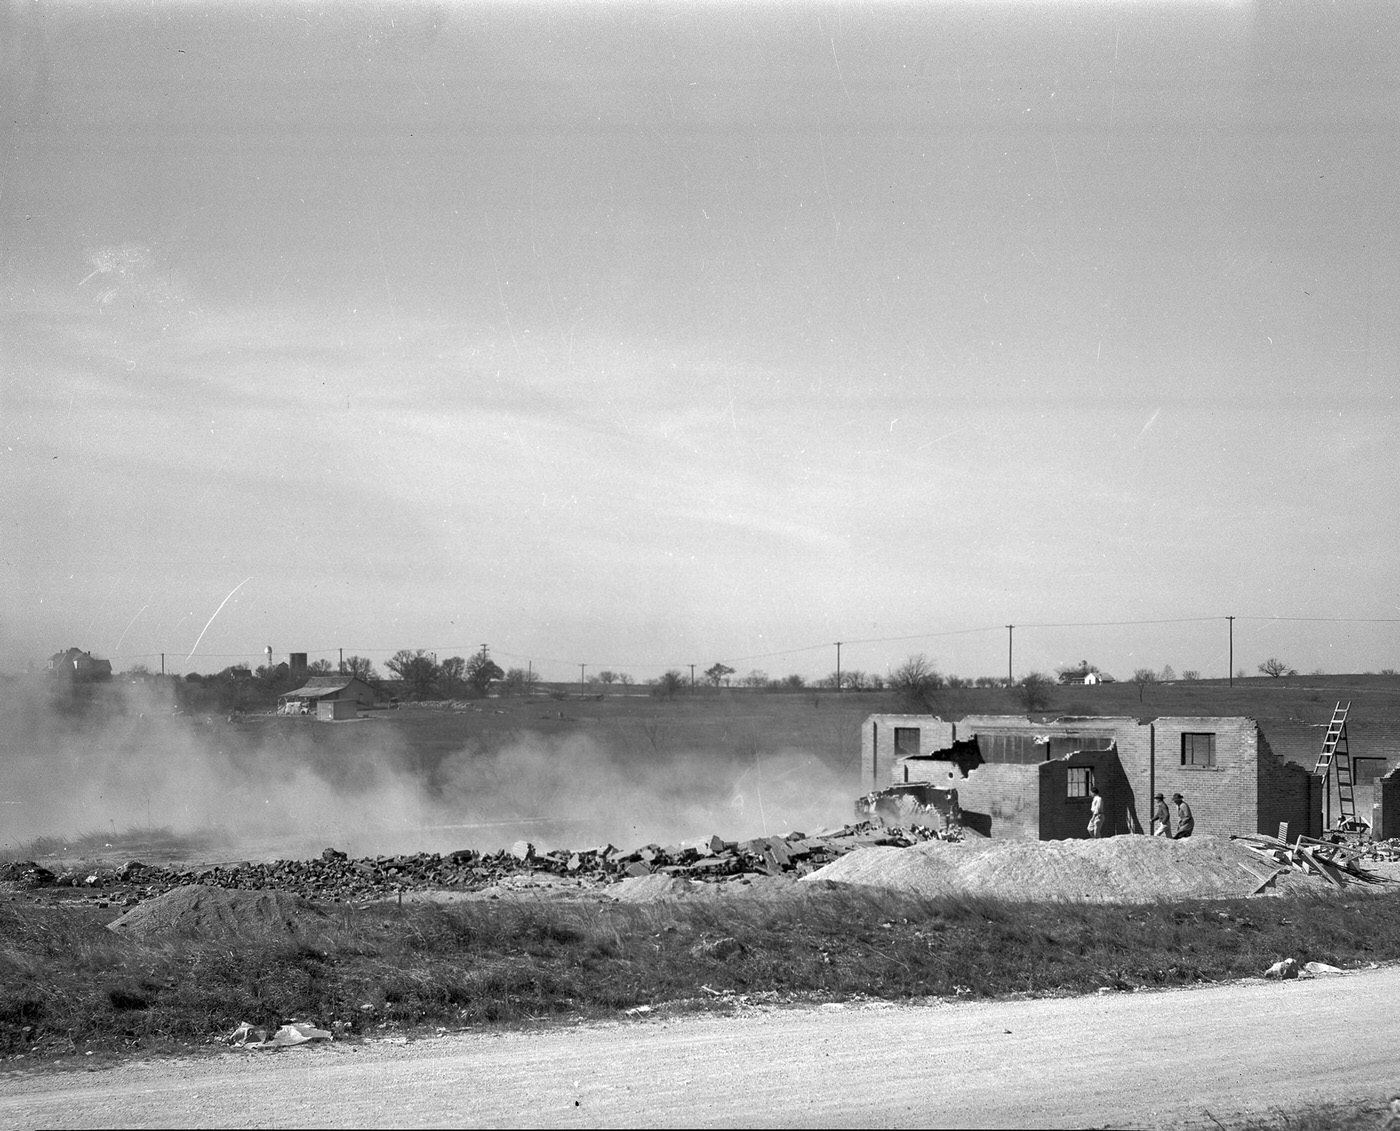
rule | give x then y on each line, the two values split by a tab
1232	650
838	665
1010	679
162	663
529	678
342	661
692	677
581	684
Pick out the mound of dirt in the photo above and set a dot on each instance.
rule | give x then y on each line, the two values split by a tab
199	910
1122	869
659	887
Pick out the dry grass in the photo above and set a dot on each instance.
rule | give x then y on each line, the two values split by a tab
69	985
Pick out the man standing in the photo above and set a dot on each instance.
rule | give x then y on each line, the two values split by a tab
1185	823
1161	817
1095	812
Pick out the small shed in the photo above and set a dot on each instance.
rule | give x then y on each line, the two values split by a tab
333	710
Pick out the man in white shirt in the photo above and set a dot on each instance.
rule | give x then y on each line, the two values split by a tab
1095	812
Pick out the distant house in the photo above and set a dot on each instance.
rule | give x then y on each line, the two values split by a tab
79	666
1084	673
318	689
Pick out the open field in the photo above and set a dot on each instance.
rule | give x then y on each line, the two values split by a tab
627	768
70	986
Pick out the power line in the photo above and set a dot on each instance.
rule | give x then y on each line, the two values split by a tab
800	650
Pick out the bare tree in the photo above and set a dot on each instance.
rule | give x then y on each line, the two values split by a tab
1142	677
417	670
1034	689
755	678
360	667
452	677
1190	675
1274	667
668	683
481	671
917	682
519	681
716	674
320	667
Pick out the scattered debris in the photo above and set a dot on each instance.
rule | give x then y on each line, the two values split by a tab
26	874
1338	864
334	877
914	803
717	949
287	1036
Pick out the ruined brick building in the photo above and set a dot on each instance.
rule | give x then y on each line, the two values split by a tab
1016	777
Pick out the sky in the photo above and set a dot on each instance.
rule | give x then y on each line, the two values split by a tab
633	336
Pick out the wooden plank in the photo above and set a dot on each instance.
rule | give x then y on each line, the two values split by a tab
1268	881
1255	873
1324	868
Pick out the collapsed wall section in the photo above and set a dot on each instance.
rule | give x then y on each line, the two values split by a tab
885	739
1287	792
1000	800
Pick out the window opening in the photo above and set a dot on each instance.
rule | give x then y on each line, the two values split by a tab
1081	780
1198	750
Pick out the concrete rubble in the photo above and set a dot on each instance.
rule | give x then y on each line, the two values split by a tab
334	876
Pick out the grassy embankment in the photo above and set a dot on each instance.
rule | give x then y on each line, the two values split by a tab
67	985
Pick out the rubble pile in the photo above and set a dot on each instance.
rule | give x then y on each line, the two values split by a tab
1338	864
337	877
1388	850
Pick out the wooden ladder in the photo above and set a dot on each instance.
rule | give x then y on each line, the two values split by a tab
1334	750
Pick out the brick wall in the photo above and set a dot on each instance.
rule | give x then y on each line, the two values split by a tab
877	758
1002	800
1385	812
1066	818
1248	789
1288	792
1223	798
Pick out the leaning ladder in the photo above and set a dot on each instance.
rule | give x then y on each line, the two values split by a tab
1334	749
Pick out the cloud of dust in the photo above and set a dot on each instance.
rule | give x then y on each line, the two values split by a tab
126	760
575	791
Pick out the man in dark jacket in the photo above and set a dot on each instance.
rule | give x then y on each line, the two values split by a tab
1185	823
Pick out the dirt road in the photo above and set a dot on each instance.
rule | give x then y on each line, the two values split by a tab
1148	1059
